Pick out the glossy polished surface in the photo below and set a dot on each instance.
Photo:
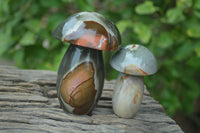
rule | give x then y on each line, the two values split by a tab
80	79
127	95
134	60
89	29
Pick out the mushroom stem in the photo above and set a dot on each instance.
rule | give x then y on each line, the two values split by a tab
80	79
127	95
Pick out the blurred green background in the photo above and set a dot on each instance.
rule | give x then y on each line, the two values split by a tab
170	29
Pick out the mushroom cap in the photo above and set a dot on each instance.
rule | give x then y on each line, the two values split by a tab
134	60
89	29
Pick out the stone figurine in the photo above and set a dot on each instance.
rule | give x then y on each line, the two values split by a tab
80	76
134	62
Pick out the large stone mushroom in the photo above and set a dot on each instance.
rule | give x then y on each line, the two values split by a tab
81	73
134	62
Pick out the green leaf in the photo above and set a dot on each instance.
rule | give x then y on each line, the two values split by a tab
184	3
110	73
67	1
4	10
193	28
197	49
50	3
143	31
35	55
34	8
55	20
127	14
192	93
197	13
82	5
194	32
184	51
170	101
4	4
178	36
33	25
27	39
13	23
146	8
58	58
174	15
123	24
19	58
165	40
197	4
6	43
118	3
194	62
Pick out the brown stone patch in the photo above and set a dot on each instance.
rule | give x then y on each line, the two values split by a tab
124	77
133	46
78	89
93	35
134	99
130	68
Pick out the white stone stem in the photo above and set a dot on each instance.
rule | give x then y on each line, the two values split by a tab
127	95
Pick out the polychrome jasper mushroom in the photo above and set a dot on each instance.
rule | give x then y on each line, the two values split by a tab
134	62
81	73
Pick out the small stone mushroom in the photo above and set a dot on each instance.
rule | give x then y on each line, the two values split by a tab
81	73
134	62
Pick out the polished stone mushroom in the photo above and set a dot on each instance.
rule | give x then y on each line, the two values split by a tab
134	62
80	76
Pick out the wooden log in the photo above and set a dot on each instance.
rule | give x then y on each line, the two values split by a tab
28	103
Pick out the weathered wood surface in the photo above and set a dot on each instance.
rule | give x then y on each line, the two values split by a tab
28	103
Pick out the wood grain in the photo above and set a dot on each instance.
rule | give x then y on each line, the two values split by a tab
28	103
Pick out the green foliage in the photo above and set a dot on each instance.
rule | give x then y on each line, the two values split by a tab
146	8
170	29
143	31
174	15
